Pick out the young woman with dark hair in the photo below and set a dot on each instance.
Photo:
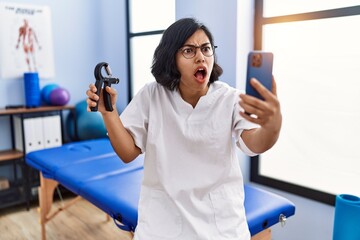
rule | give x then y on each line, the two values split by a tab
188	126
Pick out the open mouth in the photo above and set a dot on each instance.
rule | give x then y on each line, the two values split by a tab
200	74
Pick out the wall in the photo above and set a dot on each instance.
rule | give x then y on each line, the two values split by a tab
84	33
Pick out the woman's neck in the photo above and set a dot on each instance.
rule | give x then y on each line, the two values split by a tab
192	97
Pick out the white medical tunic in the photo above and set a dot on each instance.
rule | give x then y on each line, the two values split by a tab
192	187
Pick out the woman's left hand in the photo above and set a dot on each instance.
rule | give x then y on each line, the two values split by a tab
266	113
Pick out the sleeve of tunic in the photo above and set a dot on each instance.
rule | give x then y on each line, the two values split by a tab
239	125
135	117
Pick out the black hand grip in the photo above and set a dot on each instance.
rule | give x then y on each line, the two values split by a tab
98	84
100	80
107	98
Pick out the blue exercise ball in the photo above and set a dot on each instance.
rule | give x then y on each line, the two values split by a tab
90	125
81	107
46	90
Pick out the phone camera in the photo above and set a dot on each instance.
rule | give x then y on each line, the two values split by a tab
256	60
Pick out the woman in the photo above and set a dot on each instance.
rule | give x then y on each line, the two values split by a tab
187	124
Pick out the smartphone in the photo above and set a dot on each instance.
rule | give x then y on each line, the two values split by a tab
259	66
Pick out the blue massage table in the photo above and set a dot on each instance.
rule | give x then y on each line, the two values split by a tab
92	170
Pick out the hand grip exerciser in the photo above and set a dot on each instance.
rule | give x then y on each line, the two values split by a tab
107	81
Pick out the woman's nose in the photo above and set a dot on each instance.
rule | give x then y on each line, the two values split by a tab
199	56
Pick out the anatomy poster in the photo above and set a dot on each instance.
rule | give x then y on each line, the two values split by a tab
25	40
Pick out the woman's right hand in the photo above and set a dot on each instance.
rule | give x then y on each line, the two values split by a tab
120	138
93	98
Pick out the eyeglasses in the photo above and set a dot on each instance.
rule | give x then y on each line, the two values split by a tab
189	51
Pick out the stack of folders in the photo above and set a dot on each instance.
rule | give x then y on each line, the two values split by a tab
39	132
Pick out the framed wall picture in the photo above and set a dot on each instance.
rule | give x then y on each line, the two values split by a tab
25	40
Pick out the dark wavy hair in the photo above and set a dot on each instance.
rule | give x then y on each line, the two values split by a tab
164	61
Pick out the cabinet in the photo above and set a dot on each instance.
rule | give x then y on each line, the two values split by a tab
31	129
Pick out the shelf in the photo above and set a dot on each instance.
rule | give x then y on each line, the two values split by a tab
11	197
34	110
23	189
10	155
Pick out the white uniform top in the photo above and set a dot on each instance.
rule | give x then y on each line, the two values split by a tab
192	187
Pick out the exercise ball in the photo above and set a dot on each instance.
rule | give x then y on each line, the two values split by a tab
59	97
81	107
90	125
46	90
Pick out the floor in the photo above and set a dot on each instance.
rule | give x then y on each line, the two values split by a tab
80	221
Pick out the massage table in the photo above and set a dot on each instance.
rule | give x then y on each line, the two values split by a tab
92	170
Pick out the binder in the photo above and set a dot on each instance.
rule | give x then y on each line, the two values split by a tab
18	133
33	134
52	131
39	132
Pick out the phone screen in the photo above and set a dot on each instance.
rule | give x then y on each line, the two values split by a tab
259	66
